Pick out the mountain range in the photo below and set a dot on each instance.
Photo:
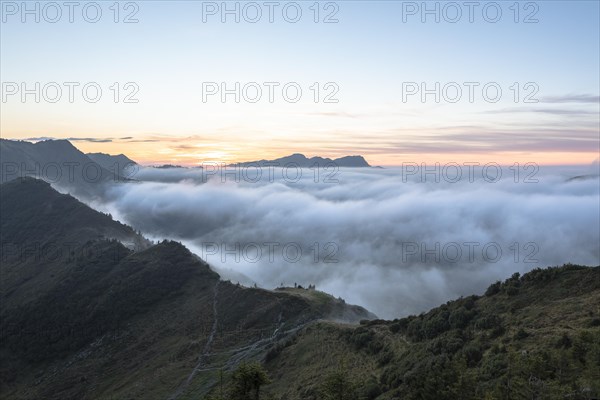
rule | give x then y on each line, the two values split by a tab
62	164
71	170
301	161
119	162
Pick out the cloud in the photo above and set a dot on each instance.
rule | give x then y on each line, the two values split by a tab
481	138
127	139
91	140
131	140
572	98
71	139
554	111
357	236
338	114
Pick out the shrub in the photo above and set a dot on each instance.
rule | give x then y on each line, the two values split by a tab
493	289
472	353
521	334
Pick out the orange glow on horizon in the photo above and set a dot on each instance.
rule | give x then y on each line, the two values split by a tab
159	153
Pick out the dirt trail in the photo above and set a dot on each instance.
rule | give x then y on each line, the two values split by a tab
239	354
205	351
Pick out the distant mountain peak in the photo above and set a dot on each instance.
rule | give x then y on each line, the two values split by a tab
55	161
112	162
302	161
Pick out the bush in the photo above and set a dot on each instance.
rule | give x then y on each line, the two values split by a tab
511	290
370	390
362	338
399	325
339	386
564	342
246	382
488	321
493	289
521	334
473	353
415	330
460	318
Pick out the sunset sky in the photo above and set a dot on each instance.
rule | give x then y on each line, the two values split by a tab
370	54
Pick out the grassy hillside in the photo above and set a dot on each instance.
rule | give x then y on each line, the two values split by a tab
530	337
32	211
42	230
105	321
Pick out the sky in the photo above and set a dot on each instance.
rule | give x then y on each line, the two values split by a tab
362	79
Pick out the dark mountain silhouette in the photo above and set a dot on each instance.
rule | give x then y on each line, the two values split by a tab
582	178
120	164
300	160
168	166
55	161
90	309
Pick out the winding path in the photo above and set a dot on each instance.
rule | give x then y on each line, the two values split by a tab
238	354
205	351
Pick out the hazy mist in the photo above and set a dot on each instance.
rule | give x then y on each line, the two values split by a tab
392	240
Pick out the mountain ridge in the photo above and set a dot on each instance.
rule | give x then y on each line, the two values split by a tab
531	336
67	315
120	163
54	161
300	160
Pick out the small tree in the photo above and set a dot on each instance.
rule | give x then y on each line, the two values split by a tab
339	386
247	381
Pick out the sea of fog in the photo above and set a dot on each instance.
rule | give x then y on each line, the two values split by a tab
397	241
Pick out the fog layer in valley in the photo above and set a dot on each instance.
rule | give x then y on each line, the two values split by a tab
397	241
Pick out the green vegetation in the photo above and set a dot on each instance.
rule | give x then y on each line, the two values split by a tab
530	337
245	383
125	284
339	386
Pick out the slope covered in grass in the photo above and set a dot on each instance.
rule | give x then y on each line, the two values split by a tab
530	337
